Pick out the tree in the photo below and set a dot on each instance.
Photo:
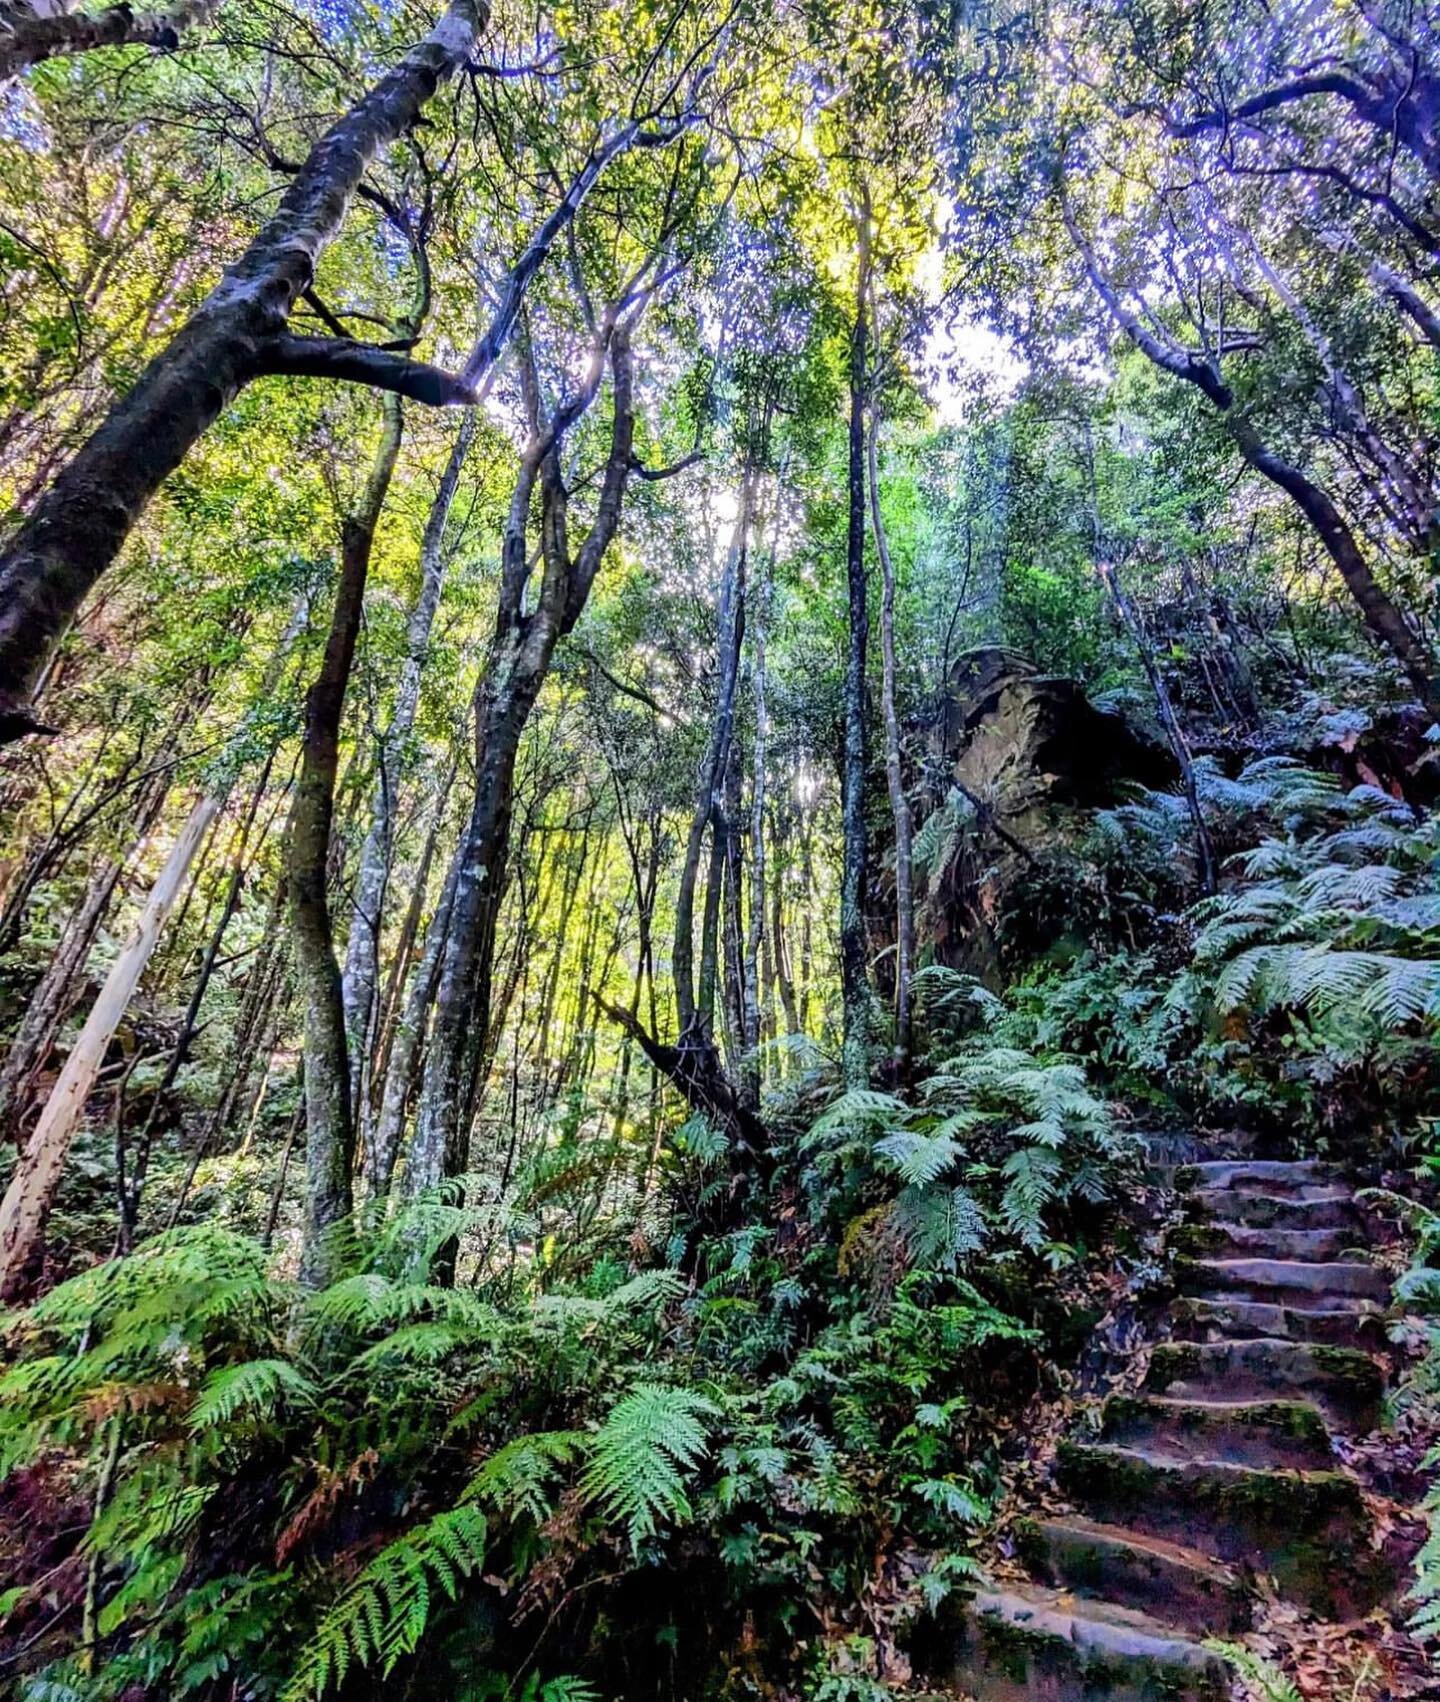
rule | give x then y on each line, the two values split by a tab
239	333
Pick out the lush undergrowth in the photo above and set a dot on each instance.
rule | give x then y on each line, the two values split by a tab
766	1456
287	1488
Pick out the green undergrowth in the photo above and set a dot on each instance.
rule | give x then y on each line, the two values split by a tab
458	1487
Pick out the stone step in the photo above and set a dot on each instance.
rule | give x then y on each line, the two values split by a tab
1359	1324
1228	1240
1325	1208
1285	1435
1024	1642
1310	1531
1287	1280
1252	1175
1175	1584
1345	1384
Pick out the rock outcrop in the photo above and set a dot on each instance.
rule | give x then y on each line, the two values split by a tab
1016	762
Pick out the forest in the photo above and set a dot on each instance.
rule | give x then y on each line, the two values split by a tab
719	860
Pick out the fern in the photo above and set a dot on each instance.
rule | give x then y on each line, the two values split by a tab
254	1390
939	1227
920	1157
1265	1680
653	1438
1032	1176
384	1613
516	1478
859	1110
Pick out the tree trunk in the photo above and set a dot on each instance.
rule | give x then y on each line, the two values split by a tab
362	953
48	1004
704	1029
329	1112
755	933
894	774
518	663
405	1049
130	1197
77	527
688	1003
779	937
405	948
733	926
854	949
1381	615
27	1200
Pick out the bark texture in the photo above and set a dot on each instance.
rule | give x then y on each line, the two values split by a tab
30	41
854	950
329	1110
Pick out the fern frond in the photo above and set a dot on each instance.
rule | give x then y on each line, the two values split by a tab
254	1391
382	1616
919	1158
1032	1181
940	1227
653	1438
858	1111
516	1478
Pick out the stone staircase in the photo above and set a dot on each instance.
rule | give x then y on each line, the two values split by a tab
1218	1472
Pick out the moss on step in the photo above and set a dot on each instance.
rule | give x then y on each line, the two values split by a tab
1310	1530
1344	1381
1265	1433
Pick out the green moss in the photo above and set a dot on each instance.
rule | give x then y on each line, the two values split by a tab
1309	1529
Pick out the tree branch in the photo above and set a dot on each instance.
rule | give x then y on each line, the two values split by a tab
641	471
1283	94
29	41
364	363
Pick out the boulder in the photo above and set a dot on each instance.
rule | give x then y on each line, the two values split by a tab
1017	762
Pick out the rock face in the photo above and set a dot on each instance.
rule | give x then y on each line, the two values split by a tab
1016	762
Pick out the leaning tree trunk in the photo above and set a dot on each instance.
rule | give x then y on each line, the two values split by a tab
27	1201
237	334
1381	615
51	999
854	952
1379	611
329	1112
